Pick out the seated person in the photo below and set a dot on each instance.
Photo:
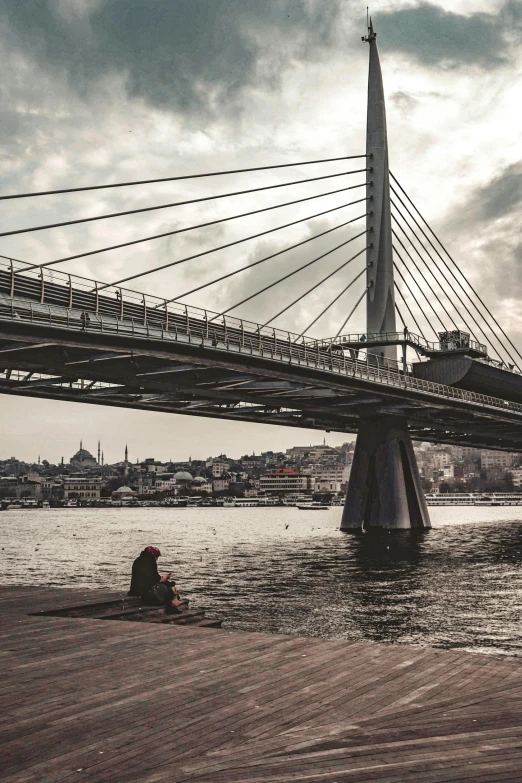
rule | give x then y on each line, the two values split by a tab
153	589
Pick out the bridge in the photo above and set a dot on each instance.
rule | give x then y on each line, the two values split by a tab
67	337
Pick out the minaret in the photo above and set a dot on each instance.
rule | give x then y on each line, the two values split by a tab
99	453
126	471
103	459
380	300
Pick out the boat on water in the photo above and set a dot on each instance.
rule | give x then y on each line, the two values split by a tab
313	506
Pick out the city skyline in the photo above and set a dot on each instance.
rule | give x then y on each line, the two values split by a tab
288	438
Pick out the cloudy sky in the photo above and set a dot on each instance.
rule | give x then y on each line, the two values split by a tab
97	91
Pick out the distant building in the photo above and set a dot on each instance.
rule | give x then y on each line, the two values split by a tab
330	479
221	484
448	471
219	468
51	489
497	459
82	487
20	487
201	484
285	480
516	473
83	459
124	493
153	466
183	477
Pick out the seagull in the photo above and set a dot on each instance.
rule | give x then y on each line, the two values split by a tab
286	527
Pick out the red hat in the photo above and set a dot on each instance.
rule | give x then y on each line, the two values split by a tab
153	550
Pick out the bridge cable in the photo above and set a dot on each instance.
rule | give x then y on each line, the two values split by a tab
179	203
191	228
290	274
408	307
408	237
229	244
481	330
174	179
458	268
427	283
302	296
399	312
396	252
354	308
404	322
335	300
249	266
466	293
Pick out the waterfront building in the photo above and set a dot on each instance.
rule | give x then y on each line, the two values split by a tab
283	480
330	479
221	484
124	493
52	489
516	474
82	487
20	487
201	484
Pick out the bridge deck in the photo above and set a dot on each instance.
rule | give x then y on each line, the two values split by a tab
87	345
97	700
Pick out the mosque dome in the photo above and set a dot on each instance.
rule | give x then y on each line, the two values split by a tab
182	475
200	480
123	491
83	456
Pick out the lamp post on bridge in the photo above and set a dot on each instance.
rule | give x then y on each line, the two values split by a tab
384	490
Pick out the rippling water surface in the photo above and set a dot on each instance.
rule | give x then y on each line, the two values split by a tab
288	571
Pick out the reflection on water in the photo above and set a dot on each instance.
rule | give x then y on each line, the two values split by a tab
287	571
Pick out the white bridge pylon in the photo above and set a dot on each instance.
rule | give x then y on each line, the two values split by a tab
384	490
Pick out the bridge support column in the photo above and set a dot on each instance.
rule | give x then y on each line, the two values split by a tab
384	490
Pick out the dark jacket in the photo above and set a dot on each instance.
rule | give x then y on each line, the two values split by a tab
144	574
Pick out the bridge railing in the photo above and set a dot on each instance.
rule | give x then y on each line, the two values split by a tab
71	301
51	286
231	335
394	338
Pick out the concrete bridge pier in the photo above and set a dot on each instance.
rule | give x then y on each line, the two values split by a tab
384	491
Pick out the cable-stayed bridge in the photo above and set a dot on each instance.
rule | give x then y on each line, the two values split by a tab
433	363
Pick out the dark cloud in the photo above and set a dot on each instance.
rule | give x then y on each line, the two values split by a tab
434	36
186	55
501	197
489	221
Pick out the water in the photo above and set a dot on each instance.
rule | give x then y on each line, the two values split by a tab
283	570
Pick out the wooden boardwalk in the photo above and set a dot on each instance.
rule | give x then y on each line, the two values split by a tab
101	700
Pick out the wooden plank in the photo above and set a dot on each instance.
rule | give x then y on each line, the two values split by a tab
129	701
